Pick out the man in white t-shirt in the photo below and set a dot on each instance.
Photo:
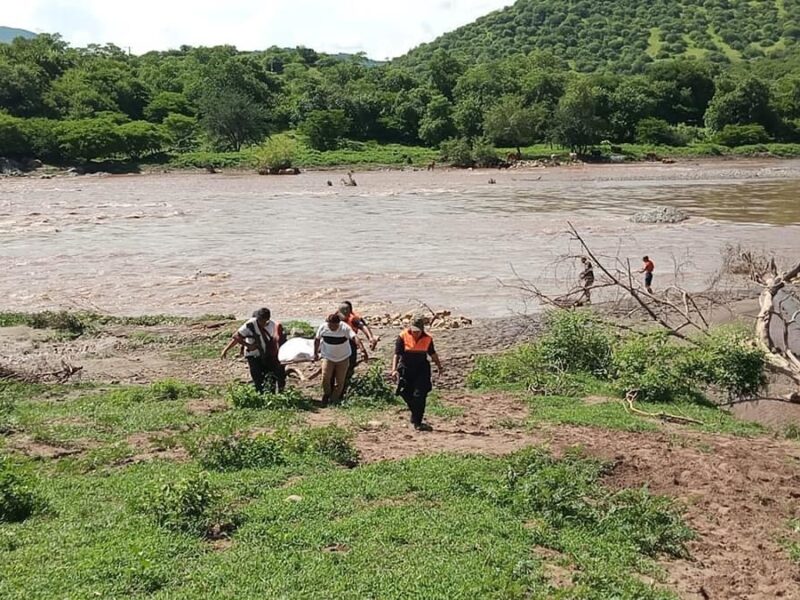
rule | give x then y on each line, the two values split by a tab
260	337
332	342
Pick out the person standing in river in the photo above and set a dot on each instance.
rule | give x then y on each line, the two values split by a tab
587	280
260	337
412	370
647	268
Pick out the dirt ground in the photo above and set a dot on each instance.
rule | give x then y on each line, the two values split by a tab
739	493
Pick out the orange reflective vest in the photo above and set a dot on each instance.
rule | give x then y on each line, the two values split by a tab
410	344
353	321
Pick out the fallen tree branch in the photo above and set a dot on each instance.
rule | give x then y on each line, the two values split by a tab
630	398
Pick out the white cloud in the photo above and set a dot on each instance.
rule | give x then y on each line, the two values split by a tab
381	29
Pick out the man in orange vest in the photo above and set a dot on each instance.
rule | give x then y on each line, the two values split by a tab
412	370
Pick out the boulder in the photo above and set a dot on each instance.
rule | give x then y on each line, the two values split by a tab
660	214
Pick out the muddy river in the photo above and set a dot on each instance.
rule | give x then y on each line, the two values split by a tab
200	243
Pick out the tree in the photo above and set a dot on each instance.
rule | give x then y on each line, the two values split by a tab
165	103
181	132
509	123
232	119
88	139
437	124
655	131
739	103
577	123
444	71
324	128
140	138
13	141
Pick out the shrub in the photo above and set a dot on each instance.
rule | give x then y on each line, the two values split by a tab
245	396
278	152
61	321
233	453
190	505
172	389
742	135
577	341
330	442
649	365
370	389
656	131
457	152
18	498
514	368
728	360
324	128
484	154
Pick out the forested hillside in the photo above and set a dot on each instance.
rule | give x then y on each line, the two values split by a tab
66	105
625	35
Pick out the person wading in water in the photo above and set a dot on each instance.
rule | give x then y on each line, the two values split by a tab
261	337
647	268
587	280
412	370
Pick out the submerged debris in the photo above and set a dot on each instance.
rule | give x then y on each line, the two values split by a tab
660	214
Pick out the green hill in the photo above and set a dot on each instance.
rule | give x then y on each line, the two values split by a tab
623	35
7	34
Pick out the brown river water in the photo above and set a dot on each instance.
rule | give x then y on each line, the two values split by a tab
200	243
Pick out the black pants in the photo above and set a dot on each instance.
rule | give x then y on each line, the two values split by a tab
351	368
264	368
415	398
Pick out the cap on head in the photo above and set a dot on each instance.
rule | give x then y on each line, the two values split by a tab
262	314
345	308
417	323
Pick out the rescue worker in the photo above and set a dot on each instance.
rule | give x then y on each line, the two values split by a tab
412	371
260	337
357	324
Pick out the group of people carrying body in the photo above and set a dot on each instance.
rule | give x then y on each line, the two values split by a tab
337	343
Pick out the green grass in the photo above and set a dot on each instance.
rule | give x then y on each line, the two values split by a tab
432	527
611	414
365	154
78	322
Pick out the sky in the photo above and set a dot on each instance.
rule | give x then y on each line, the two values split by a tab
381	28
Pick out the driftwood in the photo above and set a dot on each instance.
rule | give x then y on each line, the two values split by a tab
675	310
780	359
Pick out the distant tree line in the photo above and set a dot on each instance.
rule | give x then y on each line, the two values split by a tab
64	104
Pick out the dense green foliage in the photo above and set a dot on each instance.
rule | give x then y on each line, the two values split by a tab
665	73
576	349
625	35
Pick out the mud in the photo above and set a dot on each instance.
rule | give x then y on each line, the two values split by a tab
738	494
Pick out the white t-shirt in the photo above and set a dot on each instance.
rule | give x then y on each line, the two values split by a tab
335	345
252	335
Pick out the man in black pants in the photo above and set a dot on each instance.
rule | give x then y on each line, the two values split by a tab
261	337
412	371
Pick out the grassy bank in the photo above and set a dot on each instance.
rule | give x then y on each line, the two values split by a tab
374	155
149	499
